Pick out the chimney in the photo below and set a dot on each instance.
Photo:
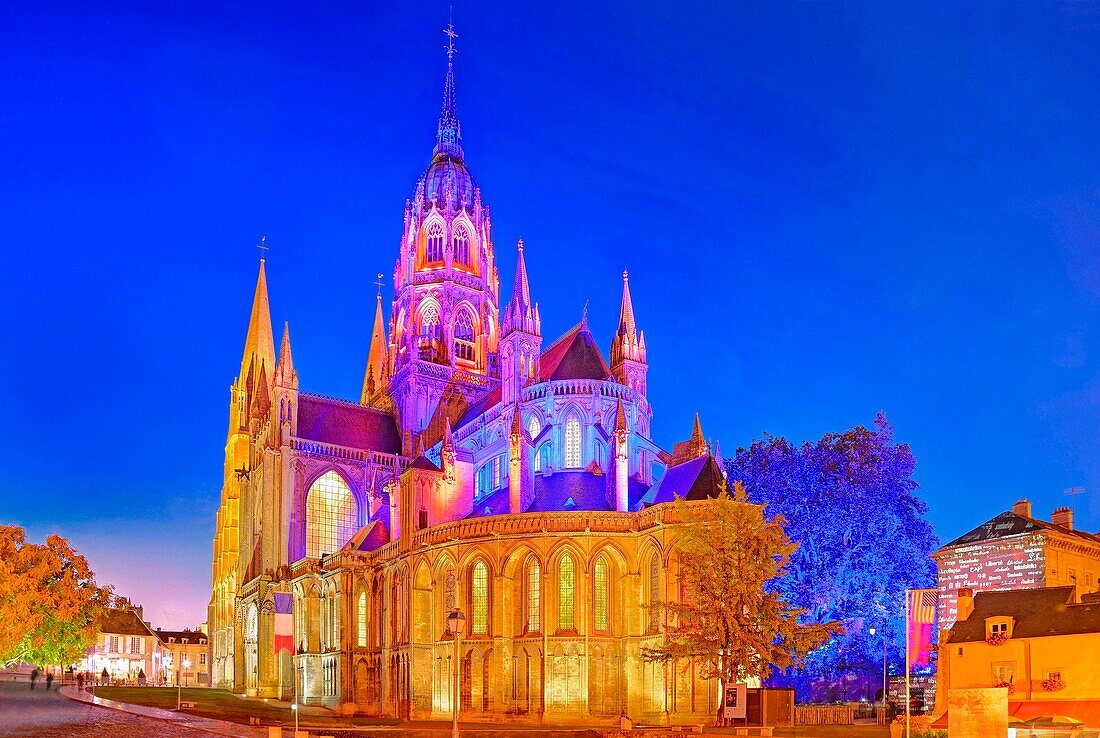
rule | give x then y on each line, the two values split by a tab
1062	516
1022	507
965	604
139	611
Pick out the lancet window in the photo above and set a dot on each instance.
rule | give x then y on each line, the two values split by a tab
534	599
572	442
464	335
600	595
462	247
434	250
479	599
361	619
331	515
654	591
566	586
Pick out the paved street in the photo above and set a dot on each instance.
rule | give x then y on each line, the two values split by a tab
40	714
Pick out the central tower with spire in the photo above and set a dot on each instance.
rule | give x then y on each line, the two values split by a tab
445	317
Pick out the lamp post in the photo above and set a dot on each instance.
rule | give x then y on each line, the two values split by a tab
456	623
184	664
885	686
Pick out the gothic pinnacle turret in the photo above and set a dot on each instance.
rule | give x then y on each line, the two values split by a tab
285	375
376	374
520	314
628	354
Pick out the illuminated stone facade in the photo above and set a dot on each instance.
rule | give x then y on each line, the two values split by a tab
1017	551
478	469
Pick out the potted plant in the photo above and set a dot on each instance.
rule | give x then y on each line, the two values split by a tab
1054	683
997	639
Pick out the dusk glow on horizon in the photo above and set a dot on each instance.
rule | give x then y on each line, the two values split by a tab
825	210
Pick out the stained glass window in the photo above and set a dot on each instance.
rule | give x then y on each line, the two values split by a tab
464	336
534	590
435	242
538	460
534	427
462	247
654	590
331	515
361	618
479	594
572	443
600	597
566	581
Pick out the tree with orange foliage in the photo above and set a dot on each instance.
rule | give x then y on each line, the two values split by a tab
49	600
729	616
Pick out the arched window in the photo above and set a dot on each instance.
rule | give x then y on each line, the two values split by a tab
429	324
538	459
464	335
600	595
534	427
331	515
361	619
479	599
654	591
566	582
534	600
462	247
572	442
434	251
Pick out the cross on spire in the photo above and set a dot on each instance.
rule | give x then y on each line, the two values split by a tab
449	32
379	283
262	246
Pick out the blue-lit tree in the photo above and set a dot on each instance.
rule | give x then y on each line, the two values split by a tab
849	501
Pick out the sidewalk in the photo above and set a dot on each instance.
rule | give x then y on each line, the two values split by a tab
209	725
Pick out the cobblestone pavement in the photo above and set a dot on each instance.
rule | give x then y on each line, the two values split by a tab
26	713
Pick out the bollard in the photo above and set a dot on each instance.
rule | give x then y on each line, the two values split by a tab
274	731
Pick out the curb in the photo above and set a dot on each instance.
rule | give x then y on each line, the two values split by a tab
194	722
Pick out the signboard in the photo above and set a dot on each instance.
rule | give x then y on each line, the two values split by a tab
736	701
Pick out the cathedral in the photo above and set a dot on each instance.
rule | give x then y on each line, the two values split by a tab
481	469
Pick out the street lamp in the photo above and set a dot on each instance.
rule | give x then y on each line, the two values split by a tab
456	623
184	664
884	685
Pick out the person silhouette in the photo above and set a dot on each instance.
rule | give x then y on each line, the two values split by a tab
49	680
34	676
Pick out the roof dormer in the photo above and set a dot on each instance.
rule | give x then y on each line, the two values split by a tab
998	629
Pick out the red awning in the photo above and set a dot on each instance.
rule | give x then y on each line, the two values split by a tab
1087	711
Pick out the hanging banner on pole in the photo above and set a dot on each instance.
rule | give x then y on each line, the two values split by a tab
735	702
922	618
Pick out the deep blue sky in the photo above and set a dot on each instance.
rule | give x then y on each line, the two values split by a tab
826	210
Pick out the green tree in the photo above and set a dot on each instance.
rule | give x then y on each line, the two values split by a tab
49	600
729	618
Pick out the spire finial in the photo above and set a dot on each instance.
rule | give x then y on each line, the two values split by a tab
584	314
519	244
626	277
449	134
379	283
451	36
262	247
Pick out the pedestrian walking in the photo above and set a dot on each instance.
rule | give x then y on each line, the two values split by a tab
80	682
34	676
49	680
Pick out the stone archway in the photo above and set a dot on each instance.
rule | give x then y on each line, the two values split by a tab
251	640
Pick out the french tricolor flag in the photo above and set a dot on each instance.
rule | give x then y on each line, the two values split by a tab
284	623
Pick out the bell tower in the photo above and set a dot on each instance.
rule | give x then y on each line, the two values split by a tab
445	320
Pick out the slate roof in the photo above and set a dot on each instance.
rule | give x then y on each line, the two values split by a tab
574	356
1008	524
1048	611
346	423
697	479
118	621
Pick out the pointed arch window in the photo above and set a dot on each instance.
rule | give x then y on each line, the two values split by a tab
479	599
434	247
534	599
567	578
462	247
331	515
572	442
464	335
600	596
654	591
361	619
